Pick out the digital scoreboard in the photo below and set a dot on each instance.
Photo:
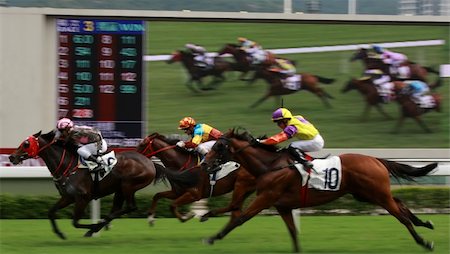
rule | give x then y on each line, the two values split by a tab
100	77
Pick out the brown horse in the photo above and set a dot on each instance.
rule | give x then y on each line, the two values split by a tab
278	185
180	159
371	96
409	108
243	63
197	74
309	82
373	61
132	172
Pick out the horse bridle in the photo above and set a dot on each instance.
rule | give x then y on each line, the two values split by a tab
149	151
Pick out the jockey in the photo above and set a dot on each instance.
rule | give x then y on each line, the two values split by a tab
394	59
89	140
309	138
382	83
417	89
288	70
253	50
200	57
203	136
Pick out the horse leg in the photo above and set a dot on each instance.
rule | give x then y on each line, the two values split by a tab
381	110
422	124
187	198
265	97
262	201
399	124
151	212
240	193
414	219
365	113
62	202
286	215
392	207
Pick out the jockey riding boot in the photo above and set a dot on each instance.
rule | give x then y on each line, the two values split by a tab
298	156
95	159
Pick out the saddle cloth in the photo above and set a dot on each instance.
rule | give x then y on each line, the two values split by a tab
225	169
109	161
327	174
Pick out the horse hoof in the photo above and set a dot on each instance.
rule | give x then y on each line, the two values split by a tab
208	241
429	224
61	235
204	218
429	245
88	234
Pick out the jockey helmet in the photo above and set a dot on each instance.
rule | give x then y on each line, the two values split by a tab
241	39
280	114
377	49
64	123
186	122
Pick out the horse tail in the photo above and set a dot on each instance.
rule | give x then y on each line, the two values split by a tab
400	170
429	69
324	80
180	179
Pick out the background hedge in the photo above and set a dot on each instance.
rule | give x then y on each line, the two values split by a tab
36	207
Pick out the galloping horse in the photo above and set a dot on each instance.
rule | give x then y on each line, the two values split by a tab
368	90
278	185
197	74
371	61
178	158
409	108
243	63
277	88
132	172
240	56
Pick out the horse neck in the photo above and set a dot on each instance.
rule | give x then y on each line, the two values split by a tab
60	161
172	157
256	160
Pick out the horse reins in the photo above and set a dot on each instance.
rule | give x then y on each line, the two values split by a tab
65	172
149	148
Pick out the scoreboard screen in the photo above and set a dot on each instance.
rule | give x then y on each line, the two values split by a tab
100	77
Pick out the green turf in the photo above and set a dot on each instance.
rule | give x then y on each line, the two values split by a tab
169	99
263	234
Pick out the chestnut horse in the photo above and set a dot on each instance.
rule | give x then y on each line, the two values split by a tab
372	61
278	185
309	82
174	157
132	172
197	74
410	109
371	96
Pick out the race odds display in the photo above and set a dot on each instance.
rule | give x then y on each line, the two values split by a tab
100	80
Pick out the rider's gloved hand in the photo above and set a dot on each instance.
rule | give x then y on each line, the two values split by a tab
99	159
180	144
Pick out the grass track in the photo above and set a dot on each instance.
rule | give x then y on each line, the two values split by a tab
169	99
263	234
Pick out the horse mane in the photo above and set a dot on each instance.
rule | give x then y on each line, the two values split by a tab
246	136
170	141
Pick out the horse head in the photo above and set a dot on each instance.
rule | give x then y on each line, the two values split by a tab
28	149
351	84
177	56
229	48
360	54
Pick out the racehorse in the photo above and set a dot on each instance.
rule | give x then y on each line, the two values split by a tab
243	63
197	73
409	108
309	82
132	172
181	159
373	61
368	90
278	185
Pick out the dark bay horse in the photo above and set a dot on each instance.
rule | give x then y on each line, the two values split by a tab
410	109
370	94
278	185
309	82
132	172
197	74
372	61
242	60
174	157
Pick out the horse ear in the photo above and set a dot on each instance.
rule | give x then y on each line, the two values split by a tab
37	134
